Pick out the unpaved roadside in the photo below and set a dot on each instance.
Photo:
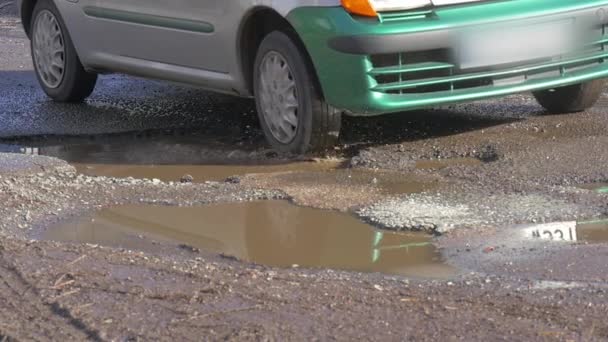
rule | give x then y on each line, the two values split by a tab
58	292
170	292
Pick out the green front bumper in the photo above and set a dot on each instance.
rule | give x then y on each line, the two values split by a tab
346	52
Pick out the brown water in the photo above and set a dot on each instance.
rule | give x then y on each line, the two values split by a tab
438	164
600	187
168	159
593	231
200	173
273	233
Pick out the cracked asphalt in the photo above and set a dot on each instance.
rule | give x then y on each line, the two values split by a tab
509	287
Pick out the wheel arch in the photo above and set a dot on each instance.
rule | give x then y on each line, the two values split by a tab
255	25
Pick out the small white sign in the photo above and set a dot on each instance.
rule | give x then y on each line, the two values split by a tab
555	231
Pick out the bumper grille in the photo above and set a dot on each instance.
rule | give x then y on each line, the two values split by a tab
434	70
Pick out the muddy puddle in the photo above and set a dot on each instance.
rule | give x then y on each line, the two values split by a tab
169	159
199	173
320	183
592	231
599	187
273	233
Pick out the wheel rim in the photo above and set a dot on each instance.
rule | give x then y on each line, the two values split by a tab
49	49
278	97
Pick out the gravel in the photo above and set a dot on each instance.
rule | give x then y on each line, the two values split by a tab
52	191
440	213
420	212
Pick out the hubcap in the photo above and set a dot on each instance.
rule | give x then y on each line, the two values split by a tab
278	97
49	49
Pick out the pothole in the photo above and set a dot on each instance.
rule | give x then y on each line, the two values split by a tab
168	159
198	173
273	233
319	183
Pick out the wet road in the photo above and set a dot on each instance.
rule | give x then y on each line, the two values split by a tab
473	172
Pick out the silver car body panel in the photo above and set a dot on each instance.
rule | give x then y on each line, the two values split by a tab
187	41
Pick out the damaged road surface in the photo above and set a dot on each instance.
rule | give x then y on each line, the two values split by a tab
156	212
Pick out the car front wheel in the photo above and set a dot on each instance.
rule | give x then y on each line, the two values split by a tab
570	99
292	112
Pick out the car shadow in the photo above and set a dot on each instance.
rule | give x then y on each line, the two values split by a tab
158	123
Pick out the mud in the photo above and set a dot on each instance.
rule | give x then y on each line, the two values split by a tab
199	173
272	233
327	183
166	158
593	231
438	164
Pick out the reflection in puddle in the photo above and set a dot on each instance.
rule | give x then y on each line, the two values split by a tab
273	233
589	231
438	164
599	187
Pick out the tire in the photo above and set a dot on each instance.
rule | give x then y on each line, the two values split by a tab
73	84
570	99
316	125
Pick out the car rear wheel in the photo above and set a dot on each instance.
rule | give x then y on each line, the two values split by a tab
57	66
569	99
292	112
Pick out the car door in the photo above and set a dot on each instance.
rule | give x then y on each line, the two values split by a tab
176	32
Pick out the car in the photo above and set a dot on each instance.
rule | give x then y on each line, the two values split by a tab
309	62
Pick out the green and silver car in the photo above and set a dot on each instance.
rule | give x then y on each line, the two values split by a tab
308	62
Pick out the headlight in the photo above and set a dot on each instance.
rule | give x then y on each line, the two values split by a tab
371	8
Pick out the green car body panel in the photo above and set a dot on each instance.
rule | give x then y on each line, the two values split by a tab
347	77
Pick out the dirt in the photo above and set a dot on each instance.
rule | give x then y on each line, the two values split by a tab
166	157
75	291
520	167
175	291
342	189
438	164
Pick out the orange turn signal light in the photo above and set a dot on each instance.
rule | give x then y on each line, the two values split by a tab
359	7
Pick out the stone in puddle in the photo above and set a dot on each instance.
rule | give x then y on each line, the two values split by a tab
186	179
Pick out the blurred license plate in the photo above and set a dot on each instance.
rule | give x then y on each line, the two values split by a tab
495	46
555	231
